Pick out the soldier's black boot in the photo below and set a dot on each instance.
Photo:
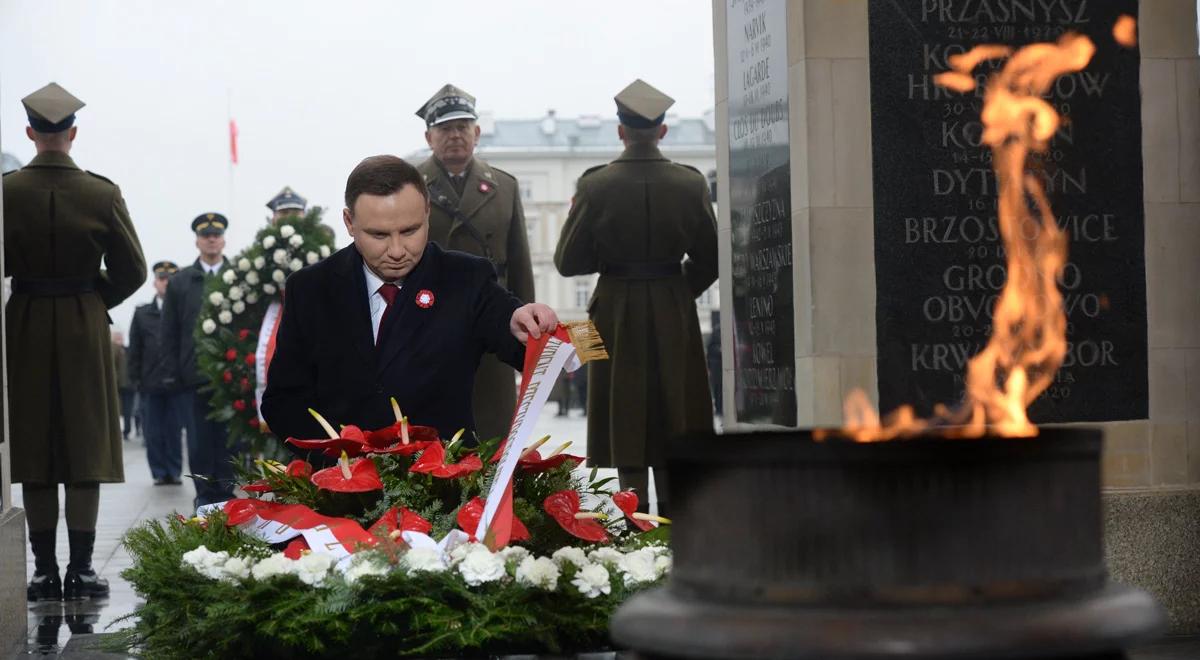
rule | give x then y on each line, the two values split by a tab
82	582
45	584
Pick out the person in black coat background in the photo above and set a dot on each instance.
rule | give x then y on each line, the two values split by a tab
149	374
391	315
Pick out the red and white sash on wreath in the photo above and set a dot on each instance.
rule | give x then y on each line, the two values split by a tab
265	351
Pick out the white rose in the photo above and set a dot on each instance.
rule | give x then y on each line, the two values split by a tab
259	262
225	316
251	298
638	567
296	241
295	265
427	560
252	278
235	569
209	326
570	555
243	264
276	564
313	568
278	276
311	258
235	293
268	243
481	565
279	256
514	553
605	555
324	250
286	231
239	307
229	276
541	572
269	289
592	580
216	297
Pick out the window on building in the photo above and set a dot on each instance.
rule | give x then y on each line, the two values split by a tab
526	189
583	291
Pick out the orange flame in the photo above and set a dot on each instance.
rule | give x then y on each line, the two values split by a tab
1028	340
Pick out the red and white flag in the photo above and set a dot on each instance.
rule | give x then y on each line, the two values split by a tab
233	135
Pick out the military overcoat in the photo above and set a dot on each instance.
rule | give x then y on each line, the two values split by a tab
487	221
640	210
59	223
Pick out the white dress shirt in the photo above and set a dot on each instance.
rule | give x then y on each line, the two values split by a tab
375	300
213	269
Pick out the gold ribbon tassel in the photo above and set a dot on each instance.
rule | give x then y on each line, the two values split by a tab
586	340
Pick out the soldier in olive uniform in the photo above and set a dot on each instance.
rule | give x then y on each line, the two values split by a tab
632	221
148	371
60	223
209	454
476	208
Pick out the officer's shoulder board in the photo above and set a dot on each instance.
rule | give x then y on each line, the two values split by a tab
496	174
101	177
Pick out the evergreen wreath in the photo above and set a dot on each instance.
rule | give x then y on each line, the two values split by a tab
232	314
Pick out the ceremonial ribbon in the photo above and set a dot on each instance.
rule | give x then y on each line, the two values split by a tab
265	351
275	523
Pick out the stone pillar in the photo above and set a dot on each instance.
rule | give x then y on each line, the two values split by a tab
1151	464
13	618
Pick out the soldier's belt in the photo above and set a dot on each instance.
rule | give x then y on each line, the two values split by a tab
53	288
646	270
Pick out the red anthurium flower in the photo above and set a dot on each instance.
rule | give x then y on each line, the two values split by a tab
563	506
533	461
345	477
296	548
241	510
299	468
388	439
627	502
403	520
433	461
351	440
471	512
260	486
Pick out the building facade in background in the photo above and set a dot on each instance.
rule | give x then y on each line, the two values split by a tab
547	156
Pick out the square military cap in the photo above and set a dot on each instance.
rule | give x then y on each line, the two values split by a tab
448	104
287	199
640	105
51	109
210	224
165	268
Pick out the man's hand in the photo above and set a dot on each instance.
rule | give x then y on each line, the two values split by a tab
532	320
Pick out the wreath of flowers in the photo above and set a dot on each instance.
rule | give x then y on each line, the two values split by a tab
232	314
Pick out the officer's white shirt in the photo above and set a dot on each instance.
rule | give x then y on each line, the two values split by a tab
213	269
375	299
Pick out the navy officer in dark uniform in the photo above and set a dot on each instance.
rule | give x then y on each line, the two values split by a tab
148	371
287	204
391	315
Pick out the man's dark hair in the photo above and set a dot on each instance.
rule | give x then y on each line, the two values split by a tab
382	175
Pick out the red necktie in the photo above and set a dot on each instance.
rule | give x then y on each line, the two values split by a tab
389	292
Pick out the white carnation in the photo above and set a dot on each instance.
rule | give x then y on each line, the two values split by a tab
276	564
278	276
279	256
225	317
314	567
638	567
605	555
209	326
238	307
324	250
235	569
363	565
514	553
295	265
570	555
481	565
427	560
235	292
662	564
252	278
286	231
296	241
269	289
243	264
592	580
207	563
251	298
311	258
540	572
216	297
460	552
268	243
259	262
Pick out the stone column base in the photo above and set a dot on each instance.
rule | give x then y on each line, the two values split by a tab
1152	541
13	608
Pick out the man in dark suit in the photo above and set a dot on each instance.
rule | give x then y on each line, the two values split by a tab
209	454
148	372
391	315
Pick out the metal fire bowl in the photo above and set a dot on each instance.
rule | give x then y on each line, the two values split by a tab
930	547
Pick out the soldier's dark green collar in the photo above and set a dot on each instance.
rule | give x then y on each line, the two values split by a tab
53	159
641	152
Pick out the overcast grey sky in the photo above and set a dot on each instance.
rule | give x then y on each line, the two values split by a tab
314	88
